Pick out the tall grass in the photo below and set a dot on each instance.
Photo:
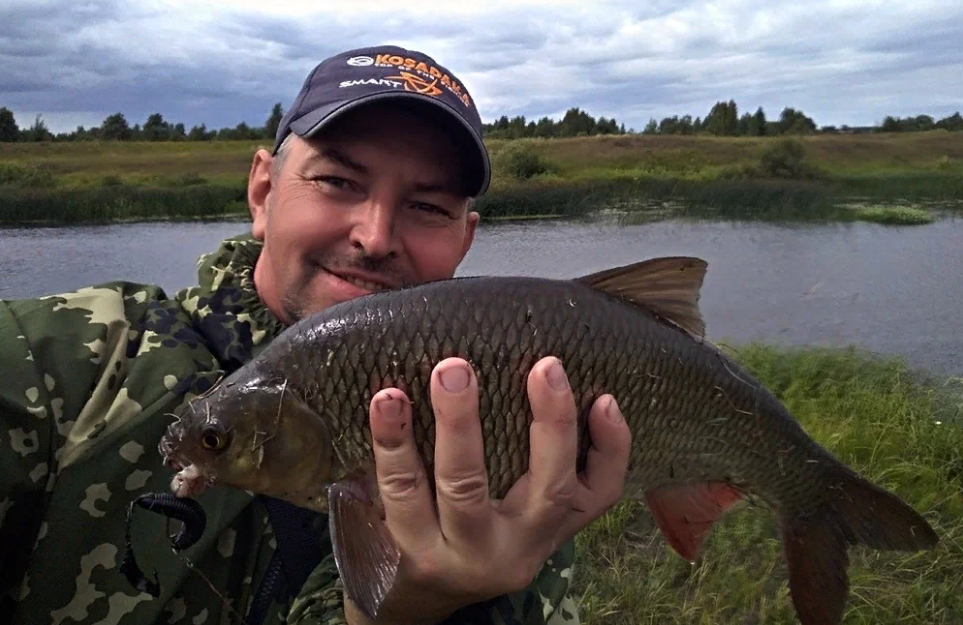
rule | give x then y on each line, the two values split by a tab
119	202
900	431
707	177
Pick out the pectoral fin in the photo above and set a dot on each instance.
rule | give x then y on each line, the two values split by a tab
364	551
685	514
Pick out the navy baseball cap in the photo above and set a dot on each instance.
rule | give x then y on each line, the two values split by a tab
351	79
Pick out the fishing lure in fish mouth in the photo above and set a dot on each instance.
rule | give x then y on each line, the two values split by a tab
293	422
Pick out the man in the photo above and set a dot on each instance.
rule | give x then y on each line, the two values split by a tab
369	186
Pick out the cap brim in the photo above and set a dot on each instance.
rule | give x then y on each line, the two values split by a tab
310	124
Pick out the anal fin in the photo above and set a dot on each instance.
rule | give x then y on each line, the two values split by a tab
685	513
364	551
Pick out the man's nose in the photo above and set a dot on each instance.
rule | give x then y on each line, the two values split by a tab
374	233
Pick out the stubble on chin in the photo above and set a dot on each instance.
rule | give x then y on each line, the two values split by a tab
299	302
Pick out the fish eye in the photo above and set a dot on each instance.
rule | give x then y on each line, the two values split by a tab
213	439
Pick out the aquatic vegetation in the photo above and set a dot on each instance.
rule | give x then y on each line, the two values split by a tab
894	215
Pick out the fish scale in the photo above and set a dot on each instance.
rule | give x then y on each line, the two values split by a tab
678	375
705	434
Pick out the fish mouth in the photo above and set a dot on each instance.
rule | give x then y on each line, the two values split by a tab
189	479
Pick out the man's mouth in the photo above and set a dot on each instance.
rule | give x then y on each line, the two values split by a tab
361	283
364	284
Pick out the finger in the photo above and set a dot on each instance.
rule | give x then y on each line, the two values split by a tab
554	433
402	482
603	480
461	478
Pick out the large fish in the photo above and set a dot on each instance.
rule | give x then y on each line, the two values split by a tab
293	422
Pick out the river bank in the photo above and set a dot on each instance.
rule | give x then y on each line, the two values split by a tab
874	414
818	178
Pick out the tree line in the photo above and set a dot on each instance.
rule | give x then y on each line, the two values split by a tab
116	128
722	120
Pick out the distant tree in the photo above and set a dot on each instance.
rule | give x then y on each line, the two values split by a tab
156	129
8	126
723	119
651	128
273	121
676	125
923	123
243	132
795	122
199	133
757	128
38	132
115	128
744	123
574	123
545	127
951	122
178	133
731	120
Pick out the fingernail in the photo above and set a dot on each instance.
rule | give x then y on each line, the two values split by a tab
557	377
612	411
390	407
454	379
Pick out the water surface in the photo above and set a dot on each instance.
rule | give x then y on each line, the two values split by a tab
897	290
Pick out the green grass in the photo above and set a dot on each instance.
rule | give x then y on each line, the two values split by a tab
709	177
894	215
874	414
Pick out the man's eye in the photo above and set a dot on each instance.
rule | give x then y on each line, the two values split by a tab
431	208
334	181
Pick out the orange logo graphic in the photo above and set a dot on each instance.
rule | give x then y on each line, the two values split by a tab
416	83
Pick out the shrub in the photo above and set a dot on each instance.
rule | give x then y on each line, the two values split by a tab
519	159
23	176
787	159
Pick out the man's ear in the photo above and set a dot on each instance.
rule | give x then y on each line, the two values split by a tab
258	191
472	222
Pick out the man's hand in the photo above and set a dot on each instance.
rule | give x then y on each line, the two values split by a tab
470	548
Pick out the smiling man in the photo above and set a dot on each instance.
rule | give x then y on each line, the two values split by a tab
370	185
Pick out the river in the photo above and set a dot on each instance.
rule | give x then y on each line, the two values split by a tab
895	290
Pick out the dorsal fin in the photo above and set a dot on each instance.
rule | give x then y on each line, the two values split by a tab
668	287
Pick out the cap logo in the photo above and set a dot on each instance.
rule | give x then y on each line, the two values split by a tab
416	75
377	82
416	83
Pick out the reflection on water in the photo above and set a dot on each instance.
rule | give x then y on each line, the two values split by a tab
895	290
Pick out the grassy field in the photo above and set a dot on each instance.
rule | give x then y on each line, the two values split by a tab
708	176
876	416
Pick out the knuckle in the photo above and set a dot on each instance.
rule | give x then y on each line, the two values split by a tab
469	488
401	484
562	492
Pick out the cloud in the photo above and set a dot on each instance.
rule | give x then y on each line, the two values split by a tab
220	63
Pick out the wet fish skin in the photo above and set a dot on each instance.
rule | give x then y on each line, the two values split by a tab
705	432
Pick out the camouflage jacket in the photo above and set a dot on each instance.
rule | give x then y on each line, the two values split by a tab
86	381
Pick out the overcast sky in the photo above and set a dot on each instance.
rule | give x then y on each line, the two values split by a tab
220	63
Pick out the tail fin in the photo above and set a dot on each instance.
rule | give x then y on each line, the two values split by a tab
816	546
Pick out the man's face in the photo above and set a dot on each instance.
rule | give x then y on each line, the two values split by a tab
375	202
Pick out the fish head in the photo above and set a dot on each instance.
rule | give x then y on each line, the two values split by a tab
254	434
